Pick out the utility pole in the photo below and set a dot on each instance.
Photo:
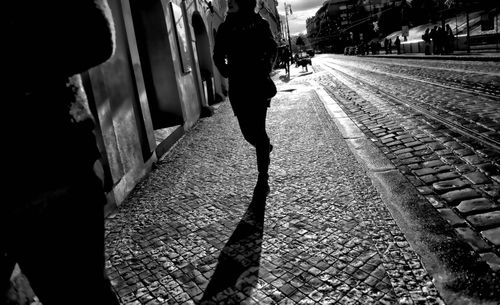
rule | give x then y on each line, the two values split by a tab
468	30
288	30
496	28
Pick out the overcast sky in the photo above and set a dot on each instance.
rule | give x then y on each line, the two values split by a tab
302	9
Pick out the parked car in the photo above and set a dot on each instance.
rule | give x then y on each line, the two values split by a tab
310	52
302	59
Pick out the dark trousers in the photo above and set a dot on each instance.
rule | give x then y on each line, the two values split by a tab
57	239
252	123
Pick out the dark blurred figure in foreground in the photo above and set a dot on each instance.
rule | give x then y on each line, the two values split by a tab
245	52
53	224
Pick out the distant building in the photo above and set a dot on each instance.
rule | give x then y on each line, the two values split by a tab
268	9
339	21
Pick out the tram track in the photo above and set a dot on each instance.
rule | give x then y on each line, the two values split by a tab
405	64
429	111
493	97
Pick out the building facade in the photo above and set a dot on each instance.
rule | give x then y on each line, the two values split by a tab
157	85
341	22
268	9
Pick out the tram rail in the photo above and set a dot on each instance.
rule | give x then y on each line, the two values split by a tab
429	111
476	92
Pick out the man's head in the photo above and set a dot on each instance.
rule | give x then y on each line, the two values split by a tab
243	6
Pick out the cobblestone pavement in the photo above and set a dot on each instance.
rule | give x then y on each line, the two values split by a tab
192	231
459	177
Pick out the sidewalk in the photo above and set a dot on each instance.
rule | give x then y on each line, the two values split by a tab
192	231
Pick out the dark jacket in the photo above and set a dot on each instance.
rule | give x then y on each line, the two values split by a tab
244	52
50	140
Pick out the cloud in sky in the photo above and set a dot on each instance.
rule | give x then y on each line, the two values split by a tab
302	9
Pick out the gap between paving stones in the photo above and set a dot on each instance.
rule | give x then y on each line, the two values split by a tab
444	255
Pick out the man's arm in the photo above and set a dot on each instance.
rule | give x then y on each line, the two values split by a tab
220	52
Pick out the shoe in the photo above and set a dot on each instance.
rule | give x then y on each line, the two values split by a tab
262	186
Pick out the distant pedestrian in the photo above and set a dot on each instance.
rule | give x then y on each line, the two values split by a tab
373	47
389	47
441	41
244	52
426	37
397	43
52	225
285	59
434	39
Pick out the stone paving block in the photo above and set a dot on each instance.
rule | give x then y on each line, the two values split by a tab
424	190
447	176
489	169
464	152
493	235
396	143
432	163
411	160
473	239
473	159
403	151
451	160
425	171
492	259
435	146
493	190
435	201
485	220
386	140
460	195
477	177
465	168
430	157
451	217
428	179
444	168
475	205
443	152
419	147
453	145
448	185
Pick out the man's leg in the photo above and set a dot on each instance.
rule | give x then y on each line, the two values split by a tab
253	128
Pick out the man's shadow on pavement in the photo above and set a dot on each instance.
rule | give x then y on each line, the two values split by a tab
285	78
238	265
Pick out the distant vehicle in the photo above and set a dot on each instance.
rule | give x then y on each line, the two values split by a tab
310	52
302	59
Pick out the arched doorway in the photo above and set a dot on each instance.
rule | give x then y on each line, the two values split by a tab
204	55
